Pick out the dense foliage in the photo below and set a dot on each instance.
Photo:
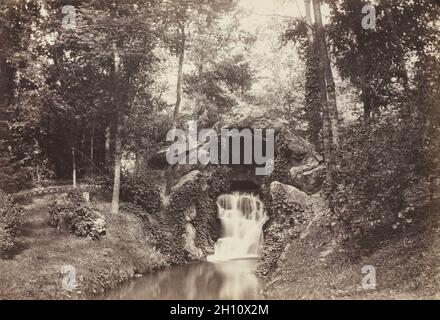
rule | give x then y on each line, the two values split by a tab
73	214
385	178
11	220
137	189
381	178
281	228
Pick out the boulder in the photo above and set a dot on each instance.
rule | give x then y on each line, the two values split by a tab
297	148
312	180
159	160
190	213
190	247
308	178
86	196
308	164
314	204
186	179
290	194
98	224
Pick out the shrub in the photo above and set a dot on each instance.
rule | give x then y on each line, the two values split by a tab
74	215
11	220
286	220
137	189
379	179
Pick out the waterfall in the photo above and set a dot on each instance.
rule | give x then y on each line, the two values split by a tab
242	217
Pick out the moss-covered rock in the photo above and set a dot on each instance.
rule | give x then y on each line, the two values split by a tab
291	212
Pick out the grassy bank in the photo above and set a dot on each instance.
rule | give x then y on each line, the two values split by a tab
315	267
34	270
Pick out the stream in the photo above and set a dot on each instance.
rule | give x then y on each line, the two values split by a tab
228	274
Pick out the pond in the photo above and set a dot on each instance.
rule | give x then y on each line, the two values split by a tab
229	280
229	272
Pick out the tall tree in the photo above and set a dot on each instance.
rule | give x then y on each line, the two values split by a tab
328	75
326	125
180	15
313	103
118	147
181	55
113	44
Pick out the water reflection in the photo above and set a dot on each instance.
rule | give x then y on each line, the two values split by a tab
224	280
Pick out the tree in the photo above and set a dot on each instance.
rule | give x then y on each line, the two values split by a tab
320	92
312	99
180	15
375	61
19	120
328	75
98	73
181	54
118	148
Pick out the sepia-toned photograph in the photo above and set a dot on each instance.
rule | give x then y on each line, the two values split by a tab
241	151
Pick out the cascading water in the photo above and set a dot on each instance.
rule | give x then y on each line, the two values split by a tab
242	217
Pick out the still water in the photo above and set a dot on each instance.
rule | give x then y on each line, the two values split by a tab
233	279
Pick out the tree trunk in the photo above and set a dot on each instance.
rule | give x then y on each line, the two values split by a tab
118	147
367	101
92	151
326	126
329	80
38	174
312	92
307	4
117	177
107	148
181	53
73	168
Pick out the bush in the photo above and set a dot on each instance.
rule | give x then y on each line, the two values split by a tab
74	215
136	189
11	220
380	181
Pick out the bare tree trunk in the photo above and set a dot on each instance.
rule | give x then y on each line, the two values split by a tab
107	148
91	150
38	174
118	147
117	177
181	53
73	168
330	83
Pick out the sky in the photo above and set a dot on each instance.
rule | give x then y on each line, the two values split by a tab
261	11
293	8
